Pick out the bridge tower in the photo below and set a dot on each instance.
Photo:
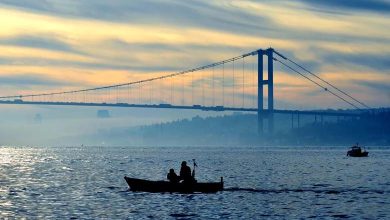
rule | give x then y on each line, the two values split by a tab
262	113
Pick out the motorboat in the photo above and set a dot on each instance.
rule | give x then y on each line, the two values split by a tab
357	151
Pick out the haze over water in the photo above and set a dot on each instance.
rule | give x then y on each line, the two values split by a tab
270	183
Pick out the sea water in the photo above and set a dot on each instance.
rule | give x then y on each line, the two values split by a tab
86	182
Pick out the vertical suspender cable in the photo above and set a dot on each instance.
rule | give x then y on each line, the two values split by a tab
243	82
182	90
223	84
233	85
150	92
213	87
192	88
253	81
202	80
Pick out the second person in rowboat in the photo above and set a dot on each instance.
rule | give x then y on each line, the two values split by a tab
172	176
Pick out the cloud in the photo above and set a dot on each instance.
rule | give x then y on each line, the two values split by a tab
380	6
377	62
289	86
28	79
191	13
99	40
382	86
44	42
26	61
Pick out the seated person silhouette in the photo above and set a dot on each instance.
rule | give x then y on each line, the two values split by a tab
185	173
172	176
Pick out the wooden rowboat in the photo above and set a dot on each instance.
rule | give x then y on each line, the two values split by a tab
165	186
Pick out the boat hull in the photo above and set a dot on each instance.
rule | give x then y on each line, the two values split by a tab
165	186
354	154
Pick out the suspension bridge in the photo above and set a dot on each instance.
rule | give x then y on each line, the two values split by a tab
235	84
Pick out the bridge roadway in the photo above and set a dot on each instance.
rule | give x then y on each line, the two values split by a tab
169	106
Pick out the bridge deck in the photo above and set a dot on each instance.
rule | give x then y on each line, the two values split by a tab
169	106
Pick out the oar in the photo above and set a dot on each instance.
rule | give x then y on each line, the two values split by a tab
193	170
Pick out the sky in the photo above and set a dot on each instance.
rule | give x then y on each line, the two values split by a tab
56	45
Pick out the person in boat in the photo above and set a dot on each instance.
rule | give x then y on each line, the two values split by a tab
185	173
172	176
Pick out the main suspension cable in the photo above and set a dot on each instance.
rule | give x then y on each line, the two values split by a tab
139	81
323	80
323	87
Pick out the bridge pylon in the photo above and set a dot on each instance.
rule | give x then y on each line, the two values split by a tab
263	113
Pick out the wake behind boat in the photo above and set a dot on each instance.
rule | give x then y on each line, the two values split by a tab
165	186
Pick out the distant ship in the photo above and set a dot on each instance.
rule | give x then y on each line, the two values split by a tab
357	151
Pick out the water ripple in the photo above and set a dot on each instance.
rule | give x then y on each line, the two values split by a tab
281	183
325	191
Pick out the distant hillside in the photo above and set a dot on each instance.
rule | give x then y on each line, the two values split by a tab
241	130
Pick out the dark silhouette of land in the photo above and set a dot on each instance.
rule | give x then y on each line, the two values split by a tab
371	128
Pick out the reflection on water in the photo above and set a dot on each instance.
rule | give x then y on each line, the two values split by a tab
275	183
